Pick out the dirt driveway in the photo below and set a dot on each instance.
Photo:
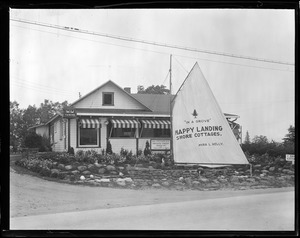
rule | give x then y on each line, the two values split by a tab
31	195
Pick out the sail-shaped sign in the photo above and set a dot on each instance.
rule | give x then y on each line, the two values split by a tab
201	133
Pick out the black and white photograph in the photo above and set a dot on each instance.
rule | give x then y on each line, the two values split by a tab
152	119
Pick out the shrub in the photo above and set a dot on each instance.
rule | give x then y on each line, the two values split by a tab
61	175
71	150
64	158
139	153
147	150
108	148
33	140
45	172
79	154
48	156
123	152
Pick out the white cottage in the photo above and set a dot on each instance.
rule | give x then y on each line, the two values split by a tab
112	113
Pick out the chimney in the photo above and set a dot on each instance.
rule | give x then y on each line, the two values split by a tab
127	89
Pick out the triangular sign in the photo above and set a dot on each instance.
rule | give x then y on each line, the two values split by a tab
201	133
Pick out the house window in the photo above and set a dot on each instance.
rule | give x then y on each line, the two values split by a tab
108	99
123	132
149	132
88	137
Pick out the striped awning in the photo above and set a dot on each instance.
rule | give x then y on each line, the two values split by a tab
156	124
125	123
90	123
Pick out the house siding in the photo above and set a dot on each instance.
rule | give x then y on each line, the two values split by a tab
121	99
43	131
127	144
58	145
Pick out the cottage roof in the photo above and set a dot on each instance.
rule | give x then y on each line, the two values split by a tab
158	103
154	104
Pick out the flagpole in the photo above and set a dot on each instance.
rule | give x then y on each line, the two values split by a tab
171	117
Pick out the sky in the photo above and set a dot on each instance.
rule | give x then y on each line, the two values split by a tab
54	64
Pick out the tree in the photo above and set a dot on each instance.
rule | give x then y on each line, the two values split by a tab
290	137
289	141
16	124
261	140
22	119
153	89
247	138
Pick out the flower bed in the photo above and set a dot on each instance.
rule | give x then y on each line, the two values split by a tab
157	171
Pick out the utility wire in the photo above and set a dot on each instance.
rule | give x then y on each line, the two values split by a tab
77	30
183	56
22	81
42	90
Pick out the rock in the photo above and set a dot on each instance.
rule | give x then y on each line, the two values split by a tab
265	171
98	165
56	171
150	167
256	166
86	172
91	176
110	167
181	179
121	174
128	180
103	180
165	184
72	178
121	168
290	172
195	183
82	177
75	172
286	171
121	182
188	181
81	168
68	167
140	168
90	166
250	180
235	179
113	172
272	169
61	166
223	180
205	180
156	185
128	167
101	170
